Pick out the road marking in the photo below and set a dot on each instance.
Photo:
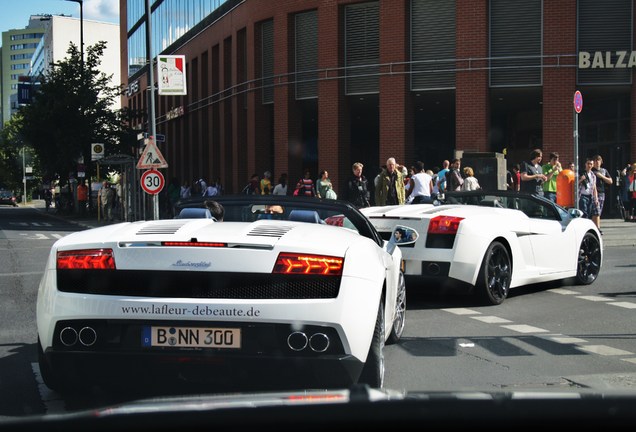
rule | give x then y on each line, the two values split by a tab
631	360
563	291
626	305
523	328
604	350
595	298
57	236
568	340
22	274
491	319
52	401
462	311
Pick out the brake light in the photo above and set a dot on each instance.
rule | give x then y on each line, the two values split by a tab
289	263
444	225
193	244
92	259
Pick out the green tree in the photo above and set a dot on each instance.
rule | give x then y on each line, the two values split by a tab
72	107
11	144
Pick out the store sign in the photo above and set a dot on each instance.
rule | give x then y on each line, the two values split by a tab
607	59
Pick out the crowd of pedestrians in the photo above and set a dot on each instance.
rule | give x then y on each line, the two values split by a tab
395	184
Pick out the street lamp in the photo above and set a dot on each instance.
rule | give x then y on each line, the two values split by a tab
81	5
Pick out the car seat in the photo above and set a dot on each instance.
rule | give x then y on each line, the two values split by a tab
310	216
195	213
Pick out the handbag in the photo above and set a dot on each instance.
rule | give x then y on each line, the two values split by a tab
331	194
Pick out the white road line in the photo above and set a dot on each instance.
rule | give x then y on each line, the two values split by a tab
626	305
22	274
523	328
563	291
568	340
631	360
491	319
595	298
52	401
462	311
604	350
57	236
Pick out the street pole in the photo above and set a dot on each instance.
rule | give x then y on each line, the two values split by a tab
24	200
84	151
151	88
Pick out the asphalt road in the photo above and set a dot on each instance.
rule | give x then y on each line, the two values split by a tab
549	337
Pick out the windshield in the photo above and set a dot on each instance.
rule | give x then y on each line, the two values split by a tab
235	204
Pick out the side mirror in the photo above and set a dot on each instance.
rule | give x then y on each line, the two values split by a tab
575	213
403	236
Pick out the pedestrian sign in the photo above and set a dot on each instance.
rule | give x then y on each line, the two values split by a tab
151	157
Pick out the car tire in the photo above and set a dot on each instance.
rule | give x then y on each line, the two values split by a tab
493	281
373	370
589	259
399	321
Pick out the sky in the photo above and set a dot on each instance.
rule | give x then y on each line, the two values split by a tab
15	13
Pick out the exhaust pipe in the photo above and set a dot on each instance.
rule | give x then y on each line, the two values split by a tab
297	341
319	342
68	336
87	336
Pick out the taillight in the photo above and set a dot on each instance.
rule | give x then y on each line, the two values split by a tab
289	263
92	259
444	225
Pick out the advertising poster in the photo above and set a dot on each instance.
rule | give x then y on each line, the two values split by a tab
172	78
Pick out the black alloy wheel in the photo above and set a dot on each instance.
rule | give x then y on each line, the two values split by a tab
493	282
589	262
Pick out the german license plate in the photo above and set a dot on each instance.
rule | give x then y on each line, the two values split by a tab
191	337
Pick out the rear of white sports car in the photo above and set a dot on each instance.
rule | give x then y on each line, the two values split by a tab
207	301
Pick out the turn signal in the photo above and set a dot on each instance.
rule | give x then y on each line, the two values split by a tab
288	263
87	259
444	225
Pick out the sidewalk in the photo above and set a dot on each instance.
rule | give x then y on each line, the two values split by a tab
616	232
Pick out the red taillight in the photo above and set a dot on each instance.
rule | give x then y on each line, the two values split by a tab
93	259
444	225
289	263
193	244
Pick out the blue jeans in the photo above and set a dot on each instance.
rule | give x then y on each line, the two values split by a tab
550	195
585	205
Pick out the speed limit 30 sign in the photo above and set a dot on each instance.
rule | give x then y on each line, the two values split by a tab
152	182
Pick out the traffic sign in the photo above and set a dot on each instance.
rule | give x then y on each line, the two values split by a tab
578	102
151	157
152	181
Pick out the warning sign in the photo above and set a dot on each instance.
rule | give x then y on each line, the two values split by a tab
151	157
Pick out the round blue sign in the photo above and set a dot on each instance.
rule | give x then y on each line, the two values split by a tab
578	102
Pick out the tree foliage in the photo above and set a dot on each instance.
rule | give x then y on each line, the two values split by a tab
72	108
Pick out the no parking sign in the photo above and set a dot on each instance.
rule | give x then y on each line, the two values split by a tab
152	182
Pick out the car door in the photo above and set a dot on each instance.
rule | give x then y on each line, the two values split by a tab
551	245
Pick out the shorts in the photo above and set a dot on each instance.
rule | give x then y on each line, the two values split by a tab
598	209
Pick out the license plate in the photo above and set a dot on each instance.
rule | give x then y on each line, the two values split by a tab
191	337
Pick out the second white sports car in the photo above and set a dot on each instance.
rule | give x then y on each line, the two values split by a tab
291	291
494	241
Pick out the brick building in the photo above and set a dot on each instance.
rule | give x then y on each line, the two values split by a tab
291	84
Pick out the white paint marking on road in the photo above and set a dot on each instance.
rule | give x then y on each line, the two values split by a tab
595	298
523	328
52	401
631	360
563	291
57	236
626	305
461	311
568	340
604	350
491	319
36	273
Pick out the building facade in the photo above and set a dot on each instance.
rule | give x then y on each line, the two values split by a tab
293	84
61	30
18	46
